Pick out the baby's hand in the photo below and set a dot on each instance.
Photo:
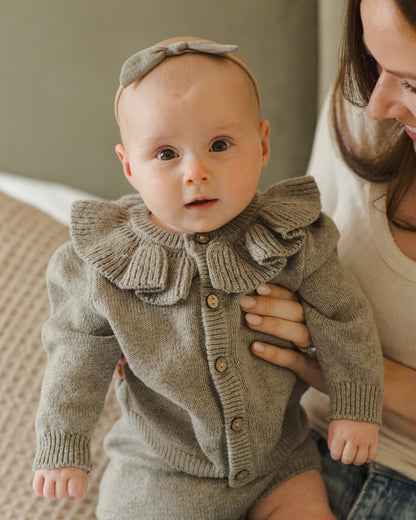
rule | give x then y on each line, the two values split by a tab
60	483
354	442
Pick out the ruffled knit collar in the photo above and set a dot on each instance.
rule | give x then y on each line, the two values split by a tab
119	241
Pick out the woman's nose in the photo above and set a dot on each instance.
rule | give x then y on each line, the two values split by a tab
385	100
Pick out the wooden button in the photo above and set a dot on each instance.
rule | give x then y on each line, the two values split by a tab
213	301
221	364
237	425
242	475
202	238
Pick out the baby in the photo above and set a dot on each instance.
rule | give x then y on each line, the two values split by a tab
208	431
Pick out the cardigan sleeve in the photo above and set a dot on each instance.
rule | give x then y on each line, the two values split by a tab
82	354
342	329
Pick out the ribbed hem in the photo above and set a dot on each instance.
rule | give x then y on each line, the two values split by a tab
178	459
56	450
356	401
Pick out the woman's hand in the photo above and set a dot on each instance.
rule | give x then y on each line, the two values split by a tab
277	311
118	371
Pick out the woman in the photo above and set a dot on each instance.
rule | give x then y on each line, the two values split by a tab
373	134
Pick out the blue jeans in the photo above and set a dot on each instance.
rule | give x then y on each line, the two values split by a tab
367	492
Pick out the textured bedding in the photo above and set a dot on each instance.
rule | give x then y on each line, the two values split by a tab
28	236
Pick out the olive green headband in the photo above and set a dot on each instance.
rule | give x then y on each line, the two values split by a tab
144	61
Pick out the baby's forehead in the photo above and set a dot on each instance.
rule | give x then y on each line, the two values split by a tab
190	67
137	69
178	74
180	77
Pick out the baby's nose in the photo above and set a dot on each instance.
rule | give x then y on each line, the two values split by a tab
197	172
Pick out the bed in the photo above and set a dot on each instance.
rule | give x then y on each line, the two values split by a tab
34	217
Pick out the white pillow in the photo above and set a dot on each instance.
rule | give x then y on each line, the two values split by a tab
53	198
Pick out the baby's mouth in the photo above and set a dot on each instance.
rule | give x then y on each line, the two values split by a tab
200	203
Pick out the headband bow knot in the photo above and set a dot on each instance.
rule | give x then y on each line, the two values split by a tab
144	61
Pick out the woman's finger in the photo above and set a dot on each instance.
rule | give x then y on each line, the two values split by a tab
118	371
274	307
304	367
280	303
292	331
276	291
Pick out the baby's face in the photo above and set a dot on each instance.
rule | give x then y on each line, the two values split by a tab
194	146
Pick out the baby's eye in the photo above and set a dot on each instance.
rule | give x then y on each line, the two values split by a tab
167	154
220	145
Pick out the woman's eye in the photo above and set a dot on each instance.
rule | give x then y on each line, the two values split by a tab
219	146
166	154
408	86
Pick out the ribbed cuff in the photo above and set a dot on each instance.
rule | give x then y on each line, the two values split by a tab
356	401
57	449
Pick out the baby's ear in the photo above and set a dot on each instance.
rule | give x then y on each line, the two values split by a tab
122	155
265	142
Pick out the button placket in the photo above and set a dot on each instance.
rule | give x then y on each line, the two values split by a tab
225	375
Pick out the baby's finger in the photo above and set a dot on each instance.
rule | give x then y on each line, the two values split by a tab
361	455
38	483
49	488
349	453
372	452
61	490
77	487
335	450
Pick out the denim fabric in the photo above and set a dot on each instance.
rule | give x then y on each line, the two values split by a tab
367	492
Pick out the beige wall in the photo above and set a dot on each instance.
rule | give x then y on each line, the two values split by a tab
330	17
60	62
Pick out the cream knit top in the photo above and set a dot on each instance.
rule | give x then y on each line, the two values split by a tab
368	251
192	391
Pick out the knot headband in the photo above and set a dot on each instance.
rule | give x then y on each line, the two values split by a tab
144	61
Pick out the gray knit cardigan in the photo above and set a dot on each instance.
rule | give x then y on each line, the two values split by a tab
192	391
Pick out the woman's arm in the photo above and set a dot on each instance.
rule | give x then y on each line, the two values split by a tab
399	410
277	311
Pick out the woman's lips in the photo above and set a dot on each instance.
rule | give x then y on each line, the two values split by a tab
411	131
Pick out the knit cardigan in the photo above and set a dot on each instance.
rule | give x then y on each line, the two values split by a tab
192	391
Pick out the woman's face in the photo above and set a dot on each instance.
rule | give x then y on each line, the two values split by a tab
391	40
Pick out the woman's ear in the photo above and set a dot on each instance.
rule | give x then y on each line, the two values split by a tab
122	155
265	142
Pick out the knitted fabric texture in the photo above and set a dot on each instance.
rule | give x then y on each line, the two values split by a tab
170	304
28	238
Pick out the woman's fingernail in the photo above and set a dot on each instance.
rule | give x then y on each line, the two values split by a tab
253	319
248	302
263	290
258	347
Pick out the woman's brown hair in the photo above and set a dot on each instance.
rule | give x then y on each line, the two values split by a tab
392	158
